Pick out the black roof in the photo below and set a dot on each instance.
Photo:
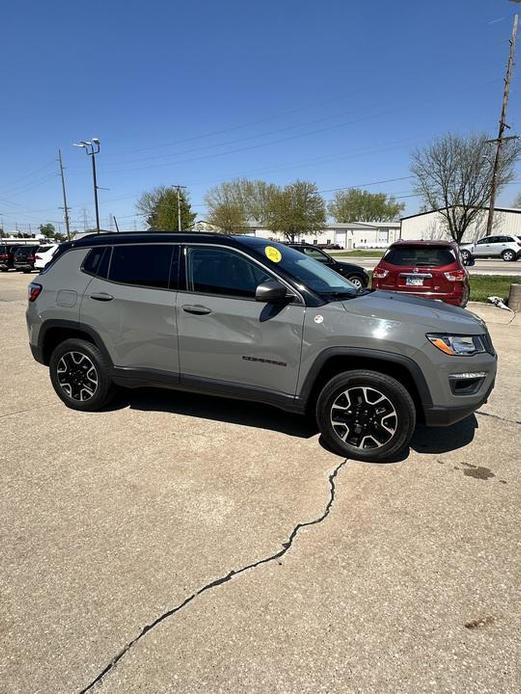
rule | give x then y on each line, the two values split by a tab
116	238
144	237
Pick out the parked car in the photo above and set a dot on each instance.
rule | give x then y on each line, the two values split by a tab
24	258
243	317
430	269
7	252
44	255
506	246
354	273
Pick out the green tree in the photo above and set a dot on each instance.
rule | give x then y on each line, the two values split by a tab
159	207
226	209
296	209
454	176
48	230
240	200
356	205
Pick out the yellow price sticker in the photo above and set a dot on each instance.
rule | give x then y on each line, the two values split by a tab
273	254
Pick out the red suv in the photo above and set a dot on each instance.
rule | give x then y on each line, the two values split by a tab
431	269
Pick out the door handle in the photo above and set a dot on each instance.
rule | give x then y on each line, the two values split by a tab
102	296
197	309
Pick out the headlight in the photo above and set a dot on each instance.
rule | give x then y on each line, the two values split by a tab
458	345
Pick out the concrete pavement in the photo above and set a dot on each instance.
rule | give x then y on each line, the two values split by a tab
308	573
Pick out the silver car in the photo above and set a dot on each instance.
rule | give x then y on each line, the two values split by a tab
506	246
252	319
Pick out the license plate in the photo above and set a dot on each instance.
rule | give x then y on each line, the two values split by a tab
414	281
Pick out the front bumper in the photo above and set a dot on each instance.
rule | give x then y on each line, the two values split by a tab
444	416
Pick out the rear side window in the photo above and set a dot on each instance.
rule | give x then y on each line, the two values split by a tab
97	261
43	249
153	265
420	256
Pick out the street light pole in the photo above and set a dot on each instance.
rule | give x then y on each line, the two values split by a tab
502	126
92	147
178	188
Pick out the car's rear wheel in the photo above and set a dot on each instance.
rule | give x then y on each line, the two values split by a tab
357	281
508	255
80	375
366	415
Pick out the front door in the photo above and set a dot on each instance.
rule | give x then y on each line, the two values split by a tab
225	334
130	302
483	247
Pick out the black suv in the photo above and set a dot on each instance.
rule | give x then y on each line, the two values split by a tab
354	273
24	258
7	252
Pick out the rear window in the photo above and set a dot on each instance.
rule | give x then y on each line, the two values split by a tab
43	249
420	256
145	266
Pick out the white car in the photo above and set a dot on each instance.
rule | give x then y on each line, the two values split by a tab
506	246
44	255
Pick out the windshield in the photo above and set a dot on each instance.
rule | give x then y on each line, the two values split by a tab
305	270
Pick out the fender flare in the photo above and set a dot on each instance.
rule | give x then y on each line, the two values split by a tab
367	353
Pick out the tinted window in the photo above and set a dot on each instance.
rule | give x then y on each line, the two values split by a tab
43	249
97	261
315	253
419	256
147	266
487	239
221	271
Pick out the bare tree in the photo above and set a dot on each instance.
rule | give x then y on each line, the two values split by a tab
454	176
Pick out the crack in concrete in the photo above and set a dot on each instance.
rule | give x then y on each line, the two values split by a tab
286	546
496	416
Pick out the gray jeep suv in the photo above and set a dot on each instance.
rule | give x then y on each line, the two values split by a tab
247	318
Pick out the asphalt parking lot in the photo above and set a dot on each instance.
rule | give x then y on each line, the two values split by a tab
179	543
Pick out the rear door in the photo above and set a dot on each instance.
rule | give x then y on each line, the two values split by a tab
226	335
130	302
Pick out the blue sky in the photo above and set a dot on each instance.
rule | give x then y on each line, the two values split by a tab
194	93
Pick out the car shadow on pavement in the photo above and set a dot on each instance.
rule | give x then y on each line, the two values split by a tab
425	439
250	414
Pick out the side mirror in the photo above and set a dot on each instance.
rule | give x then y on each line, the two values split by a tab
272	292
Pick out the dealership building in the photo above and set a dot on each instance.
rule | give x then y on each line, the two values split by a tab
431	225
349	235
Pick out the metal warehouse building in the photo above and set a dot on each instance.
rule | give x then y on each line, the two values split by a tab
431	225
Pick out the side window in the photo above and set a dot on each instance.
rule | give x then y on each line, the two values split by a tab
97	261
145	265
316	254
223	272
487	239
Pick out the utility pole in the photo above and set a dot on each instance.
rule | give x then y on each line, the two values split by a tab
92	147
178	188
503	125
65	208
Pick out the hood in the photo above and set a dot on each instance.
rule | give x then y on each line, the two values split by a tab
436	315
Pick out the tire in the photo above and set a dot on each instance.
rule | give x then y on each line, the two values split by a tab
357	281
359	393
466	256
509	255
80	375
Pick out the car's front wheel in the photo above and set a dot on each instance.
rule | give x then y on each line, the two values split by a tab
509	255
366	415
80	375
466	256
357	281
